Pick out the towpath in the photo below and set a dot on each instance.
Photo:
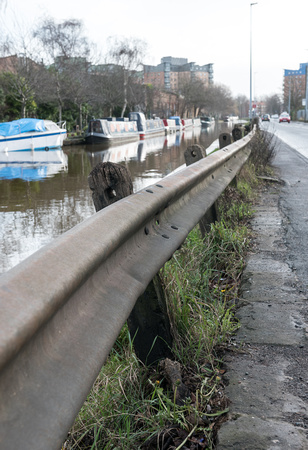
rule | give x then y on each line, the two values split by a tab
267	374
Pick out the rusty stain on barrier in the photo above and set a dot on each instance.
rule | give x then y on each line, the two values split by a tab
63	307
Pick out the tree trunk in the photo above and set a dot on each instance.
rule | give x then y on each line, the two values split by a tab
125	94
60	112
23	109
80	116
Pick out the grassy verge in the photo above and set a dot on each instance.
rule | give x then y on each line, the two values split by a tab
135	407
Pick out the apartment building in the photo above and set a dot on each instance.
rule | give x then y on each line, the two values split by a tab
171	72
294	81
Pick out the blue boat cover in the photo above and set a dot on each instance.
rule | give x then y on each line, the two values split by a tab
21	126
177	119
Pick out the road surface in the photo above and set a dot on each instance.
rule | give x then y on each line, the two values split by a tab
267	373
295	134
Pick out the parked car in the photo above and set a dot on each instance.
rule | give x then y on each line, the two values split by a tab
265	117
284	117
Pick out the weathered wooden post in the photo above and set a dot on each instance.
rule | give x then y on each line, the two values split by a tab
109	182
148	322
224	140
255	121
237	133
247	129
192	154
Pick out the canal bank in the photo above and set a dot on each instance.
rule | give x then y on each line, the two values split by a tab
266	373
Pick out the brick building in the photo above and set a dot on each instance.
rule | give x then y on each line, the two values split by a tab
9	64
294	83
171	72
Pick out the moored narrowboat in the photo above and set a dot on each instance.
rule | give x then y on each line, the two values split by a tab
111	131
178	122
187	123
147	127
135	127
170	125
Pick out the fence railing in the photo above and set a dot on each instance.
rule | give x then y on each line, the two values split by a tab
63	307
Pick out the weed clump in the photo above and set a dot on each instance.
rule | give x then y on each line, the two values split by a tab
263	150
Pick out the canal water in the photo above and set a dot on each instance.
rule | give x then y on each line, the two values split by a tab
39	202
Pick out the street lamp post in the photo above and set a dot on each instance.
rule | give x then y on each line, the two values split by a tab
306	94
289	103
250	97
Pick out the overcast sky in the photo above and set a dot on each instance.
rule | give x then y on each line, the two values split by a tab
203	31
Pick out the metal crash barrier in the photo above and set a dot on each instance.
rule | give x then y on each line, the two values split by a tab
63	307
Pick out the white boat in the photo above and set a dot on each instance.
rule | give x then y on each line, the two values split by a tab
31	135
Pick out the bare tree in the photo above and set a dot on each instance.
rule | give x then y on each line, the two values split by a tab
192	97
127	54
242	104
20	80
273	104
105	89
62	41
65	50
218	100
20	65
293	95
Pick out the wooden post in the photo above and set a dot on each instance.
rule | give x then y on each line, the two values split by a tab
237	133
224	140
247	129
148	322
256	121
192	154
109	182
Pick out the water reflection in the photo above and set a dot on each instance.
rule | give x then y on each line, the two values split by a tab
147	160
39	206
30	165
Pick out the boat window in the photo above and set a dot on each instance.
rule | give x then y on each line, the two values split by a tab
51	126
96	126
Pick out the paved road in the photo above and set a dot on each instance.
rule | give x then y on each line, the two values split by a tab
268	379
293	165
294	134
